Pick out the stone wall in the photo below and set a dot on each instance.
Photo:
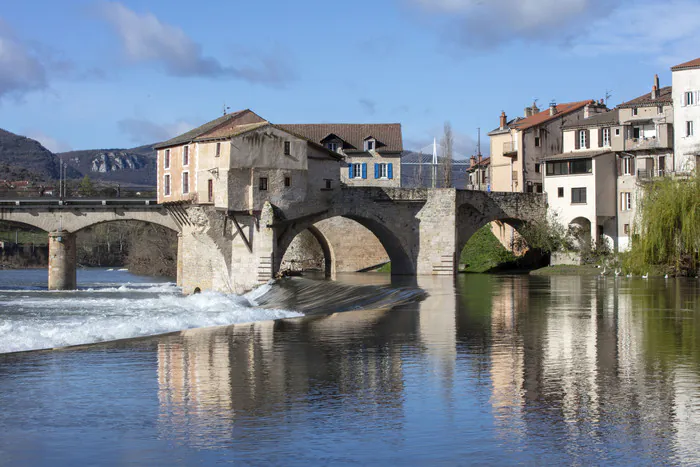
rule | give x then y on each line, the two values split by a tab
354	245
305	253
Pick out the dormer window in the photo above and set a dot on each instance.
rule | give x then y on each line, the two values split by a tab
332	146
370	145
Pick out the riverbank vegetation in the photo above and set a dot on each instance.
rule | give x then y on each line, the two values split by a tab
666	234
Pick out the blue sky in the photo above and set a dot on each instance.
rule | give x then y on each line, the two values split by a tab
83	74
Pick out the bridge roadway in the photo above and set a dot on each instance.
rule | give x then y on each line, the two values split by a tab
422	230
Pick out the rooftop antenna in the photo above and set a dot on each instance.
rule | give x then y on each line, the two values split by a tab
608	95
226	108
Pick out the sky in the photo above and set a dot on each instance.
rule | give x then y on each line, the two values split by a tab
88	74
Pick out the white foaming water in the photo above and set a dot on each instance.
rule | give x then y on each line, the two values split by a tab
31	320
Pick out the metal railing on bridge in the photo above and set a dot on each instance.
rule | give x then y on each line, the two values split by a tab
77	202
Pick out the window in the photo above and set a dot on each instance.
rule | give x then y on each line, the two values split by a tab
262	184
583	166
382	171
578	196
537	168
218	149
689	128
626	201
185	183
606	136
210	190
636	132
369	145
617	132
186	156
166	159
356	171
689	98
635	111
328	184
582	138
332	146
659	109
626	229
166	185
483	176
287	148
626	166
538	188
558	168
537	141
560	192
287	181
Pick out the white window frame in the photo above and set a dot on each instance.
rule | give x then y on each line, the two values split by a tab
356	170
185	182
384	171
370	142
166	159
689	98
167	185
582	139
689	128
332	147
625	201
635	111
185	156
606	137
626	166
617	132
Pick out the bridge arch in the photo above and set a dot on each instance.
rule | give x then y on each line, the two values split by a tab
395	250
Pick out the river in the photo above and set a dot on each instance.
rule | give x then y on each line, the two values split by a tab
480	369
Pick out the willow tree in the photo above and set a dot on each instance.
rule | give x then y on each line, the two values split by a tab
667	229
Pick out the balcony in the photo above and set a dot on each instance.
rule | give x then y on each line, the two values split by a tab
633	144
647	175
510	149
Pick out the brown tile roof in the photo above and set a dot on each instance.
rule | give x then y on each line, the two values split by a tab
388	135
664	97
223	124
687	65
577	155
544	116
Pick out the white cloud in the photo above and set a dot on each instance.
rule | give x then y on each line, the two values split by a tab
20	69
50	143
146	39
493	22
141	131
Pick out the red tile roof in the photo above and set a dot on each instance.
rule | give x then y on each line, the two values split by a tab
544	116
687	65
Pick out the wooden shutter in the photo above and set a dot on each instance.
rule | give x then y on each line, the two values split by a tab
588	139
600	137
376	170
632	166
619	166
578	139
350	173
390	171
364	171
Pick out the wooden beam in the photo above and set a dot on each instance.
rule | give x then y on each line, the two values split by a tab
240	232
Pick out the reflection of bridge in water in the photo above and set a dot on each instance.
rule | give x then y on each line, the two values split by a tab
422	230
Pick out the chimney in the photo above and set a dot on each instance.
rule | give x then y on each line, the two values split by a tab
535	110
472	162
528	112
656	82
504	120
552	108
654	92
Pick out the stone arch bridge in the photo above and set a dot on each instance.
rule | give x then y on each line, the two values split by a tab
422	230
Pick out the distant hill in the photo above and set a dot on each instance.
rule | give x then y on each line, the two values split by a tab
130	167
22	158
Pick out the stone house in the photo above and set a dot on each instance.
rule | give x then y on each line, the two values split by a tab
478	173
238	161
520	146
686	108
372	152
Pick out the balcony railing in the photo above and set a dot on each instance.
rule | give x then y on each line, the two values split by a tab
644	143
510	148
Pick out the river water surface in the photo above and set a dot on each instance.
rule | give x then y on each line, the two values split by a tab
474	370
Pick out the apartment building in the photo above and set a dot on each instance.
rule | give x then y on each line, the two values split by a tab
686	108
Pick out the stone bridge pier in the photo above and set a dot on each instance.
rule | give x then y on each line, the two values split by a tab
62	260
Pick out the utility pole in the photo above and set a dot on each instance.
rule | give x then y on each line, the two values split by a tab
435	161
478	156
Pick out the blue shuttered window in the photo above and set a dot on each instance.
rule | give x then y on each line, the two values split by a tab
350	174
364	171
390	171
376	170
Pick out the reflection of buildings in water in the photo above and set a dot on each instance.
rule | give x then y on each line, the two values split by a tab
507	354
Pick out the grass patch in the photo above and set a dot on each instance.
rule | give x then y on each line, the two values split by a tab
483	252
568	270
385	268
